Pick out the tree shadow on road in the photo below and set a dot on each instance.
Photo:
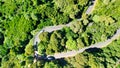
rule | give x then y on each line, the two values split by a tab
94	50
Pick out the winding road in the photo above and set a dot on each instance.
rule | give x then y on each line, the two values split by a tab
97	45
74	52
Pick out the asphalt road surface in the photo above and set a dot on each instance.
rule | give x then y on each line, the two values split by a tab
74	52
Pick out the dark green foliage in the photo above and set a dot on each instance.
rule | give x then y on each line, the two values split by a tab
106	58
110	55
51	65
54	45
71	7
1	38
3	51
70	33
42	47
18	18
11	61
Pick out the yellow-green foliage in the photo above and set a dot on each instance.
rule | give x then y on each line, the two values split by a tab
19	18
29	48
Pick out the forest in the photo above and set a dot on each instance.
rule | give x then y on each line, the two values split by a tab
20	20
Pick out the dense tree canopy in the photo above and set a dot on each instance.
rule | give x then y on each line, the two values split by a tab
21	19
